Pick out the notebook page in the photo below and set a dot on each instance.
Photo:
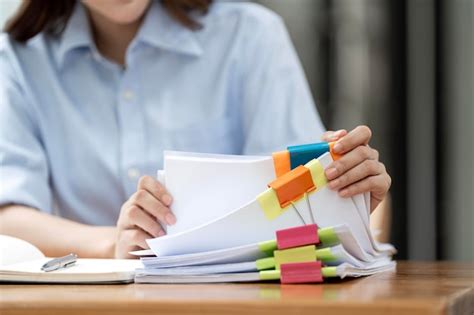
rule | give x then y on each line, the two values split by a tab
82	266
14	250
83	271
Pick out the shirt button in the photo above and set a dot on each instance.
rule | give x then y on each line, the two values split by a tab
133	173
128	95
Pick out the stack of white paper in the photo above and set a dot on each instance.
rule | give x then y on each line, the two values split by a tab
220	221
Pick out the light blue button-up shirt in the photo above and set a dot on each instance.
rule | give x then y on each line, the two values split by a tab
77	131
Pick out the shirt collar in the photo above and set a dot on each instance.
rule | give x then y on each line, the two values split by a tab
77	34
162	31
158	30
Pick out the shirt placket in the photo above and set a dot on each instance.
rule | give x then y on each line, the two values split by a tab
132	138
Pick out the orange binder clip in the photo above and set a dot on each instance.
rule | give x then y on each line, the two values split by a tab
335	156
281	162
293	185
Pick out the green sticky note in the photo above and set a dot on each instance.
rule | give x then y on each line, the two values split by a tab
268	247
265	263
269	275
325	254
329	272
328	236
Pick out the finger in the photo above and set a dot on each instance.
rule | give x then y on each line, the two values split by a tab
155	188
135	237
378	186
137	217
123	249
124	252
153	206
365	169
330	136
350	160
130	240
359	136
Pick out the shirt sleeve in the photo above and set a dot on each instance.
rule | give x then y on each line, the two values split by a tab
23	163
278	109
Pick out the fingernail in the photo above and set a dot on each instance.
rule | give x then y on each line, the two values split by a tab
170	219
330	136
344	193
337	147
335	135
161	233
166	199
331	173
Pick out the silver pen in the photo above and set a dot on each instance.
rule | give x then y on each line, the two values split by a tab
60	262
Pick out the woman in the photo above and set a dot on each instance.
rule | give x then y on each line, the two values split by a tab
92	92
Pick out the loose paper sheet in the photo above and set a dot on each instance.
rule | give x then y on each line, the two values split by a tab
205	188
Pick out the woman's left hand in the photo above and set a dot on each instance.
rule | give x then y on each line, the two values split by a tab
359	169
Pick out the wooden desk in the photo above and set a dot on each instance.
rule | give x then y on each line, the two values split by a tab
416	288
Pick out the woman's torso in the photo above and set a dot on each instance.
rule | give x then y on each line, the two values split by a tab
101	127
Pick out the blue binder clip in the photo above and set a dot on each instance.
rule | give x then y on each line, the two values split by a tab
302	154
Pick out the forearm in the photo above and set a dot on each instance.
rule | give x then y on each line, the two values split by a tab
380	219
56	236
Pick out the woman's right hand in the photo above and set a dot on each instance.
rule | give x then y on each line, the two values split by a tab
142	216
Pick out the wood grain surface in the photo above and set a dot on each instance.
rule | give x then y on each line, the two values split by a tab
415	288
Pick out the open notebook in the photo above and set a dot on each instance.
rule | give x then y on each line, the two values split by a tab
20	261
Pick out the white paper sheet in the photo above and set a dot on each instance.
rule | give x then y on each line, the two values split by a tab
351	244
348	270
343	270
206	187
246	266
353	218
329	209
338	252
208	278
247	225
237	254
359	200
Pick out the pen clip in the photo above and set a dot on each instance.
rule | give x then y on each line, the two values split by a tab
60	262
